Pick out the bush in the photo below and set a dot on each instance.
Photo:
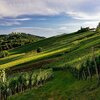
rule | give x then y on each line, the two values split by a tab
3	54
83	30
39	50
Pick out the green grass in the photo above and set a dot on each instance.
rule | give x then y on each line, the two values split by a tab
76	45
63	87
68	49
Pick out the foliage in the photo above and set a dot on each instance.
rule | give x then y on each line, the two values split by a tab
98	28
70	53
2	75
15	39
63	86
83	30
72	47
4	54
87	69
23	81
39	50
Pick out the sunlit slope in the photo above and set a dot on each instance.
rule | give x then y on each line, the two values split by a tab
70	47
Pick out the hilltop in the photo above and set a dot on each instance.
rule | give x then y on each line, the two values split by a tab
16	39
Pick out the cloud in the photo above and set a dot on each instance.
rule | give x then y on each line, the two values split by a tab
14	12
84	24
74	26
21	19
84	16
14	8
78	9
10	23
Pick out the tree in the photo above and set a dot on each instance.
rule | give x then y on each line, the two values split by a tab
98	25
39	50
83	29
98	28
4	54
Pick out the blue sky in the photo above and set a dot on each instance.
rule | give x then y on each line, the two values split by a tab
47	17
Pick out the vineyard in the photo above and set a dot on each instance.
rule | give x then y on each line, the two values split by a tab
20	82
65	67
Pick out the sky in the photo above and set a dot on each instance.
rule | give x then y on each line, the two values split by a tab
48	17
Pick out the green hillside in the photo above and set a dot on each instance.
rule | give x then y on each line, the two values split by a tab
70	48
63	87
67	68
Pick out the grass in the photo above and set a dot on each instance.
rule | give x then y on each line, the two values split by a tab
71	43
64	49
63	87
31	58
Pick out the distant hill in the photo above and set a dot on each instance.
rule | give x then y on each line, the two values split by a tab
14	40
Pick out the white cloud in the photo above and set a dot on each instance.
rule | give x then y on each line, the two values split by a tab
10	23
85	16
63	28
88	11
21	19
90	24
75	8
14	8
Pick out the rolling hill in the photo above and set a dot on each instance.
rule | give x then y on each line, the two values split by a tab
58	53
16	39
68	47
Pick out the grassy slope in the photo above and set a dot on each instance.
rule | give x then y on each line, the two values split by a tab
63	87
72	43
74	48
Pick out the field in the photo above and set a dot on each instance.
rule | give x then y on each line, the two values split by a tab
70	48
58	53
63	87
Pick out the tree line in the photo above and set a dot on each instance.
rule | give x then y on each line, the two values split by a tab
16	39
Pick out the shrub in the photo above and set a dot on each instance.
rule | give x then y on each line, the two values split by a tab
39	50
98	28
83	30
3	54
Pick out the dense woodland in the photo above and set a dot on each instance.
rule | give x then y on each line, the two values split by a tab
15	39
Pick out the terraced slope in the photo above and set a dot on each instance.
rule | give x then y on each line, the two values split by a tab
59	51
63	49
